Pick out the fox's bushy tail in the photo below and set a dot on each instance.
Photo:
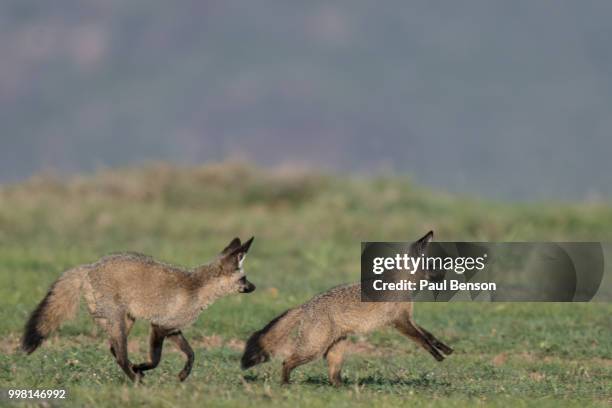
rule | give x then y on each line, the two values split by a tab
270	340
60	304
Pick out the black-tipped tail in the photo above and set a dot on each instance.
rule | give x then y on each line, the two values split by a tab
32	336
254	352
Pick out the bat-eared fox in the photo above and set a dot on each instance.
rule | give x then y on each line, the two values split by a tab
121	288
319	327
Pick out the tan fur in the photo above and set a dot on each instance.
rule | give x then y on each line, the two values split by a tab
319	328
121	288
143	288
63	300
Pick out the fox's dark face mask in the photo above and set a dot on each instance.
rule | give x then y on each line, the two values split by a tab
245	286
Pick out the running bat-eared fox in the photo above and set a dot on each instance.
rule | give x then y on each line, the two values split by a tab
121	288
319	327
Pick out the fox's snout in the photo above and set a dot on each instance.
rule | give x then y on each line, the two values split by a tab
247	287
435	276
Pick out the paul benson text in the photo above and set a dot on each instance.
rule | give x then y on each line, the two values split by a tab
423	284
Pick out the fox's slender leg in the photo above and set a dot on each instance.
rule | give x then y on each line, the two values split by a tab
335	358
156	343
409	329
129	322
118	339
315	339
437	343
180	340
103	323
292	362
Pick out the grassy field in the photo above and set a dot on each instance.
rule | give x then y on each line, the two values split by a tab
308	228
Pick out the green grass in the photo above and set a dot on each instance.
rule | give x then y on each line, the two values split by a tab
308	229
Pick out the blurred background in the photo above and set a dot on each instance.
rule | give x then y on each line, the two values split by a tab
510	100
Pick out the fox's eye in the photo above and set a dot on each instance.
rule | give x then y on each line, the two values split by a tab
242	280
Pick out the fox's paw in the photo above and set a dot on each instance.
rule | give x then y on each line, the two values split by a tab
444	348
337	383
138	374
140	368
182	376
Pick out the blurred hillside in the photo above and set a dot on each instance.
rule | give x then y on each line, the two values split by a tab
505	99
130	208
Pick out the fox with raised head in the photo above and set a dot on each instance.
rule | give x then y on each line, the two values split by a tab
319	327
121	288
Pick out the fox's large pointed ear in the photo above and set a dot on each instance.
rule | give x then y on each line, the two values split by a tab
245	247
236	256
231	246
422	243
